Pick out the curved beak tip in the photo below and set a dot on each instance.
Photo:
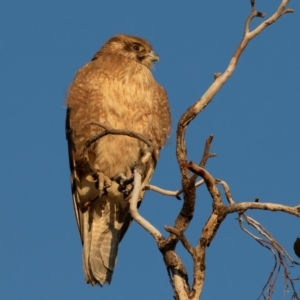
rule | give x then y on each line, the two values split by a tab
154	56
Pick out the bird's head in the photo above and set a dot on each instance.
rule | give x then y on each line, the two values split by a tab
130	46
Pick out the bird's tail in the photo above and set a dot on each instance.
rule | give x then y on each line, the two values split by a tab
102	224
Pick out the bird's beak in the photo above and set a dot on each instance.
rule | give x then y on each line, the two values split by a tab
153	56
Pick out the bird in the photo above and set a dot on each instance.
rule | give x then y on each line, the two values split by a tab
117	90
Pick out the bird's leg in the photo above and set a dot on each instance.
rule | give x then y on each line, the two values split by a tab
102	182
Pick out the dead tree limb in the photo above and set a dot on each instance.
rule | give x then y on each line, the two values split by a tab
177	272
189	193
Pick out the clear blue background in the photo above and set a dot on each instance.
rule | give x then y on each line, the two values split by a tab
254	118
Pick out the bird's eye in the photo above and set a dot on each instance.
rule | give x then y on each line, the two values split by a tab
136	47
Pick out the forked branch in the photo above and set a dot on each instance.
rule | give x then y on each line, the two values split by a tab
176	269
188	187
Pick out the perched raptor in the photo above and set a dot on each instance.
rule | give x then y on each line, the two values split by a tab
117	89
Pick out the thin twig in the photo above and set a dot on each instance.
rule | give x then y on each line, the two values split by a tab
280	255
168	192
226	190
107	130
243	206
134	210
205	156
206	153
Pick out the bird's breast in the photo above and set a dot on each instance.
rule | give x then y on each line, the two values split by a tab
122	102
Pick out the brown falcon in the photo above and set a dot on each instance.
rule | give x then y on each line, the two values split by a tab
116	88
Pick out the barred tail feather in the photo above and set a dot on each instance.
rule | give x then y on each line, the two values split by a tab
101	236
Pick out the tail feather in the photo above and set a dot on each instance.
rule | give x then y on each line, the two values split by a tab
103	221
86	240
103	254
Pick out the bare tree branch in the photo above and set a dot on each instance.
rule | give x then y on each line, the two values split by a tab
226	190
188	187
176	269
182	238
243	206
206	153
279	253
107	130
168	192
209	181
134	210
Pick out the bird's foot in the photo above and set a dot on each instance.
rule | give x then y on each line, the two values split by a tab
122	179
103	182
125	182
98	180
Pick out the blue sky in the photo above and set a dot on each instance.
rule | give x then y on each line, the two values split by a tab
254	118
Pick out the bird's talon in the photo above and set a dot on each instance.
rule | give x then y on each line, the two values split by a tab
102	182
